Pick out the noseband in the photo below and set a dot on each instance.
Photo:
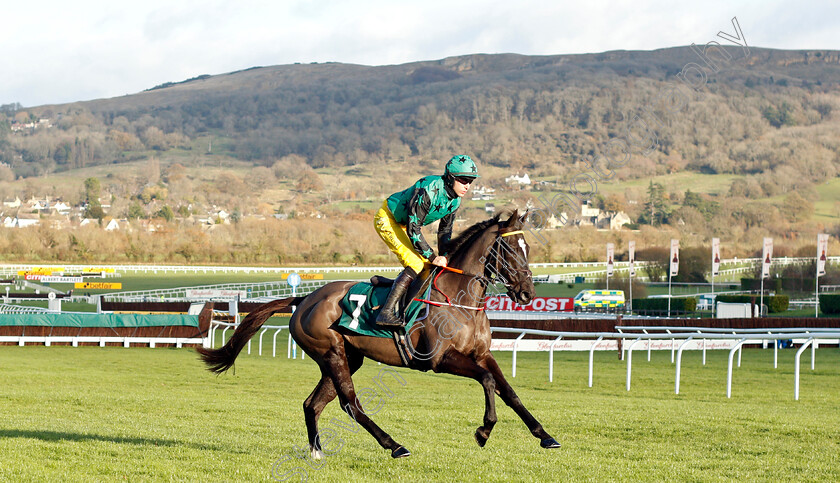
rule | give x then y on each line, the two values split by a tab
501	244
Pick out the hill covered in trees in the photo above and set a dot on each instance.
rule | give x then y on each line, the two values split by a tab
764	128
542	113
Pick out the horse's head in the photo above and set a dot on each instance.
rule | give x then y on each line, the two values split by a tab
508	260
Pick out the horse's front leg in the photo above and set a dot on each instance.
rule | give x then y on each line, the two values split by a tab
510	398
460	365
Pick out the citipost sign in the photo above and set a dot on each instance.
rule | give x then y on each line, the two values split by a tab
539	304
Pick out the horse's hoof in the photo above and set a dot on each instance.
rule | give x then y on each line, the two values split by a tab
400	452
549	443
481	440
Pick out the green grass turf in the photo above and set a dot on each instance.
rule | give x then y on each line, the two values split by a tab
82	414
678	182
825	209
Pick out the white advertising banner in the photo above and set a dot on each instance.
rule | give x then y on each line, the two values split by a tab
715	257
822	250
605	345
214	293
675	257
766	257
55	279
610	258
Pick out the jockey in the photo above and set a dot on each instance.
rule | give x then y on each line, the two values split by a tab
402	215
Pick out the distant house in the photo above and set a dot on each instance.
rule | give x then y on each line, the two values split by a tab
42	123
21	221
112	225
602	220
490	208
523	180
15	203
38	205
618	220
62	208
483	193
588	211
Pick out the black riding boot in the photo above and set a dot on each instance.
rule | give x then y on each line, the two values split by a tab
388	316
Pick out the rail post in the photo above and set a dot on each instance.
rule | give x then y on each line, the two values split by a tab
592	356
729	367
515	344
679	364
261	334
630	359
796	367
551	359
274	343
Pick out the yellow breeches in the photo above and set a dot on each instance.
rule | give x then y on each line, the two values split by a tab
394	235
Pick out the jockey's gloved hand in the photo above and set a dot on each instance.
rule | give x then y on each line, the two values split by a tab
439	261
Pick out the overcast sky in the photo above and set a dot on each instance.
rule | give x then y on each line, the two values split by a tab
65	51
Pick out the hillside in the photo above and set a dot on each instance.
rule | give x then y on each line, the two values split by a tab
505	109
760	141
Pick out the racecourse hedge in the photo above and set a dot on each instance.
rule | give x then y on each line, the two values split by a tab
660	305
830	304
798	284
775	303
754	284
787	284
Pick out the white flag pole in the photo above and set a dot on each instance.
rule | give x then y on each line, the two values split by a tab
673	265
817	290
632	250
822	248
761	297
715	248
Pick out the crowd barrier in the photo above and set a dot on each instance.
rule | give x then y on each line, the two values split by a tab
735	340
738	337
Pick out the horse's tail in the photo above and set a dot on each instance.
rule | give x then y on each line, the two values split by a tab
221	359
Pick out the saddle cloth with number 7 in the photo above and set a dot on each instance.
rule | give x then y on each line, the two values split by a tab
362	304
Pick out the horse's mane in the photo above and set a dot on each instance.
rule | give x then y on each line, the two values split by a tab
466	237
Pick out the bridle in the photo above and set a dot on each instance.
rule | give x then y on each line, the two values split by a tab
495	270
501	244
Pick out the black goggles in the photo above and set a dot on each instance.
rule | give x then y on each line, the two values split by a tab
464	179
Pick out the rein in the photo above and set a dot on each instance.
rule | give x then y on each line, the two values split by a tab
461	272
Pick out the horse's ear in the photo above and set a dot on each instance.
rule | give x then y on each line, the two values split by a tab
514	217
524	218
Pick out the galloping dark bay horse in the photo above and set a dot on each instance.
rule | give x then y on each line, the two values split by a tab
455	341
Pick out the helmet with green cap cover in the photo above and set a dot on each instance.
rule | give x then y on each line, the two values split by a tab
461	166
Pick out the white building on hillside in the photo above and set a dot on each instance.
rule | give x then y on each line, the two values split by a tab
523	180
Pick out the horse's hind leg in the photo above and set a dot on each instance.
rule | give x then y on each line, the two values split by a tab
336	363
510	398
323	393
461	365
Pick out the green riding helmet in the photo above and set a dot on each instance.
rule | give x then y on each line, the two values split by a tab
461	165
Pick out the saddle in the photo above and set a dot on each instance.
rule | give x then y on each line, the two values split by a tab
419	285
